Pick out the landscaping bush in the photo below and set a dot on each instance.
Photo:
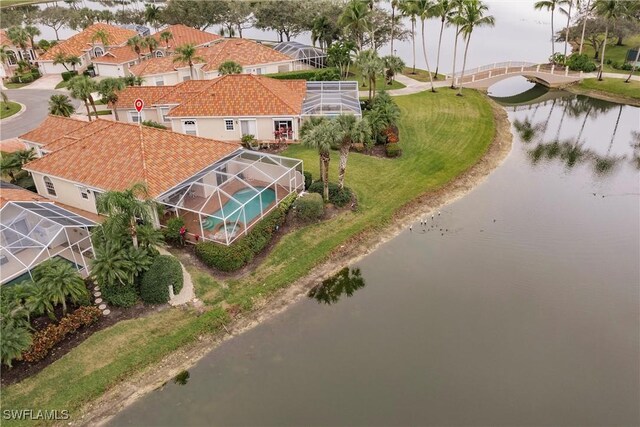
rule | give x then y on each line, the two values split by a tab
309	75
68	75
393	150
22	78
577	62
308	180
326	75
153	124
242	251
309	208
46	339
626	66
164	272
120	295
172	232
358	147
337	196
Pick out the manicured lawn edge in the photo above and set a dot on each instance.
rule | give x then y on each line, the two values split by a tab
421	75
14	108
610	89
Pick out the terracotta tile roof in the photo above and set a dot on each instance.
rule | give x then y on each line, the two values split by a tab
121	154
53	127
11	145
183	91
4	39
148	94
117	55
153	66
184	35
13	193
81	42
245	95
80	133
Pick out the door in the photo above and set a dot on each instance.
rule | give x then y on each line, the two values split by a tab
248	127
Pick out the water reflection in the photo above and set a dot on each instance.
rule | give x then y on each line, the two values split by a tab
345	282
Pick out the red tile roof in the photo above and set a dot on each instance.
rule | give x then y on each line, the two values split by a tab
117	55
153	66
81	42
186	35
121	154
148	94
12	194
53	127
4	39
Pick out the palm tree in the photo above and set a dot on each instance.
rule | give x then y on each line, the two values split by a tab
394	6
425	11
4	56
187	53
351	130
102	37
60	105
549	5
81	88
609	10
108	89
229	67
393	65
587	10
321	32
60	58
442	9
5	99
355	19
111	264
32	32
19	37
472	16
124	207
408	9
321	134
74	61
454	18
136	43
16	338
371	66
165	36
152	15
151	44
61	281
149	237
567	12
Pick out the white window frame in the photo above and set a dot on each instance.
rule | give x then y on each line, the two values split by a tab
285	119
12	57
226	123
95	51
51	190
163	115
133	114
195	126
159	79
159	54
258	71
84	192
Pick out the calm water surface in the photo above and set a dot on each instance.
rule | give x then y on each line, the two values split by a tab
523	310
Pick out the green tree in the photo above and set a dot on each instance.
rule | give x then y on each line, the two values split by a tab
81	88
108	89
455	19
200	14
165	37
279	16
425	11
473	16
60	105
61	281
102	37
149	237
32	32
610	11
585	17
54	17
324	31
229	67
136	43
355	20
111	264
152	15
151	44
339	55
551	6
238	15
442	9
124	208
371	66
14	330
321	134
567	13
187	54
350	130
19	37
393	65
408	9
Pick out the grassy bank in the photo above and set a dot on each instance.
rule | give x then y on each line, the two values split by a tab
615	53
420	75
614	89
442	136
381	83
8	109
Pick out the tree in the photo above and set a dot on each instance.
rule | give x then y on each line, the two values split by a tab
187	54
339	55
609	10
19	37
136	43
237	15
105	16
124	208
152	15
321	135
441	9
586	12
60	58
32	32
393	65
201	14
151	44
271	15
5	54
14	330
111	264
567	13
81	88
350	130
425	11
61	282
371	66
394	6
165	37
408	9
11	164
102	37
229	67
473	16
133	80
355	20
108	89
149	237
324	31
549	5
454	19
60	105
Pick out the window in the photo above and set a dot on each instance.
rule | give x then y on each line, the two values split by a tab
185	78
11	57
98	51
228	124
160	81
189	127
84	192
283	128
159	54
51	190
258	70
135	116
164	111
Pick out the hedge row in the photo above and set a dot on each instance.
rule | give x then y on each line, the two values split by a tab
164	272
68	75
46	339
241	252
325	74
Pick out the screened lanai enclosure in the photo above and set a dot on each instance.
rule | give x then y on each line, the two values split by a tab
331	99
223	202
33	232
306	56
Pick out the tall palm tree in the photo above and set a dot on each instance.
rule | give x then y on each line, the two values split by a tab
81	88
567	12
394	6
165	37
408	9
229	67
151	44
355	19
102	37
152	15
124	207
473	16
136	43
549	5
188	54
609	10
442	9
586	12
322	32
32	32
321	135
60	105
371	66
425	11
454	19
108	89
19	37
351	130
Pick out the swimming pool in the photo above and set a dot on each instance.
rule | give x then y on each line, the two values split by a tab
243	197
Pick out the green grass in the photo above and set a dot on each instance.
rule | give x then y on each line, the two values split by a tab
102	113
420	75
62	85
356	75
442	136
615	53
613	86
11	85
9	109
9	3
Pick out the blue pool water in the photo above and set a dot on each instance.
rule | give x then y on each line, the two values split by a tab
251	208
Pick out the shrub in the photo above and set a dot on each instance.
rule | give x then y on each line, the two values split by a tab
391	134
172	232
326	75
393	150
120	295
46	339
241	252
22	78
309	207
153	124
337	196
308	180
164	272
309	75
358	147
577	62
67	75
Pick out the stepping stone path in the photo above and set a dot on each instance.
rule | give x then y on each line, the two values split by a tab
98	301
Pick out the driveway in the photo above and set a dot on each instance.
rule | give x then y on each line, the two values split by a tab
37	103
47	82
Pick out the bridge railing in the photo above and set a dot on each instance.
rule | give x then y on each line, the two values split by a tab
495	65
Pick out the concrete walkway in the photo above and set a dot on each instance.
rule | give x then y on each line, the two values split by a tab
187	293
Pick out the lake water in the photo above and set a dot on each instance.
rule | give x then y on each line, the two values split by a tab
518	304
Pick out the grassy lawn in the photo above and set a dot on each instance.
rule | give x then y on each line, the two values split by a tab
101	113
8	109
615	53
442	136
356	75
9	3
11	85
420	75
62	85
613	86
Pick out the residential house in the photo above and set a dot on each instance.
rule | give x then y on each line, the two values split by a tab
231	106
218	188
14	54
85	47
253	57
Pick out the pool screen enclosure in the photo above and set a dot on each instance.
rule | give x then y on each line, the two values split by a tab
223	202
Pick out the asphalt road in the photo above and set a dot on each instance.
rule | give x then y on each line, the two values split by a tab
37	103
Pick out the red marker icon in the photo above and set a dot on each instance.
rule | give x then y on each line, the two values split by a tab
139	104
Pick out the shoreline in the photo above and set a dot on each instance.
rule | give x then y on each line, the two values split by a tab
107	406
604	96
